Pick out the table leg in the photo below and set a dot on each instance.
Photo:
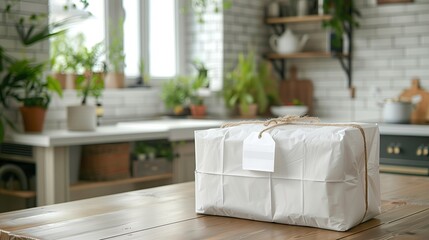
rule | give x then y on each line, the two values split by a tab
52	174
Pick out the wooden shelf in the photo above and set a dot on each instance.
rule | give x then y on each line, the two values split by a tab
301	19
16	193
302	55
85	185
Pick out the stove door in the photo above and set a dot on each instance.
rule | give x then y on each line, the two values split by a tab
404	154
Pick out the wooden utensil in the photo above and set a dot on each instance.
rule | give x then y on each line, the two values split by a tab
293	88
421	110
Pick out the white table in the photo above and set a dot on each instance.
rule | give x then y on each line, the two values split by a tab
51	148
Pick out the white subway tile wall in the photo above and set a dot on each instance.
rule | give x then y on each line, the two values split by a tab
390	47
119	105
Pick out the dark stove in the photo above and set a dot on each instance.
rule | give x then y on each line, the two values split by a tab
404	148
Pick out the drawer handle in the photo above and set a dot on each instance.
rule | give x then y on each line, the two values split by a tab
419	151
389	149
396	150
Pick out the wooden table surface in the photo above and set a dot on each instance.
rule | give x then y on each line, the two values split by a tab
168	213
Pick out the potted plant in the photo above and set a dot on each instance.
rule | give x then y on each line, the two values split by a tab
63	63
115	77
84	117
22	79
176	94
24	76
342	21
244	87
24	82
198	109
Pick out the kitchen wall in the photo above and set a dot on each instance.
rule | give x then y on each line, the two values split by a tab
8	36
390	48
220	39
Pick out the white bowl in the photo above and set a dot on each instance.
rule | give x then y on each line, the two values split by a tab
281	111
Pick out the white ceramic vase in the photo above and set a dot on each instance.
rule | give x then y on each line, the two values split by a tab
81	118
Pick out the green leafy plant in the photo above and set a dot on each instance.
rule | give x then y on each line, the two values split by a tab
115	52
24	82
343	13
158	149
245	84
32	29
62	51
22	79
22	74
89	84
200	81
176	93
201	7
144	78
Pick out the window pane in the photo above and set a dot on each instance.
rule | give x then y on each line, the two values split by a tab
132	37
162	38
92	28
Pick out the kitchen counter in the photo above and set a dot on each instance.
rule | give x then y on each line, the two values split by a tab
51	149
168	212
172	129
404	129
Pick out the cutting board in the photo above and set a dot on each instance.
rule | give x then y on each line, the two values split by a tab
294	88
420	113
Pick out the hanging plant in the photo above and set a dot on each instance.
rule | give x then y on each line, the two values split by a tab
201	7
343	19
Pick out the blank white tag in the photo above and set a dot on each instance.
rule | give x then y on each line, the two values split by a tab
258	153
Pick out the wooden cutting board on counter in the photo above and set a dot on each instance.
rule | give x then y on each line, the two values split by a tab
421	111
294	88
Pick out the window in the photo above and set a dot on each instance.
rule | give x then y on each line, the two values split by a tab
162	38
150	32
132	37
92	28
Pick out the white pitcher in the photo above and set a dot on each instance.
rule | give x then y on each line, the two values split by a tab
288	42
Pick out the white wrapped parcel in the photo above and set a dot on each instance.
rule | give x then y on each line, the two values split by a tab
320	177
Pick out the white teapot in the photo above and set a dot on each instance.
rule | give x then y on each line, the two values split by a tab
287	42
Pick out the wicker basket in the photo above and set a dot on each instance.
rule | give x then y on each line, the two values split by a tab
105	162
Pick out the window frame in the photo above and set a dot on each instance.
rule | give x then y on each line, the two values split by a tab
111	10
114	12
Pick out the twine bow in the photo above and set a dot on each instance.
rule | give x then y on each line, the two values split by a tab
275	122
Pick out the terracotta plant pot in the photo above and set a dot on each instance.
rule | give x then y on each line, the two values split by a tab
81	118
67	80
250	112
33	118
115	80
198	110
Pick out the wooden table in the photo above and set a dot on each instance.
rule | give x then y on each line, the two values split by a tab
168	213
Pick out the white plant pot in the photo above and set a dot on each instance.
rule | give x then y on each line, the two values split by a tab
81	118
